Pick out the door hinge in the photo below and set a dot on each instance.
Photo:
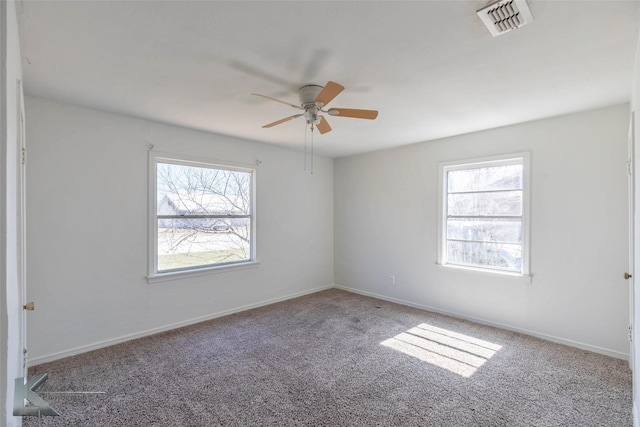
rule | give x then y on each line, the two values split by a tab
630	333
24	156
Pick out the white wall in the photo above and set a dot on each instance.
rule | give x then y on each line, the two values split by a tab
386	224
10	351
87	229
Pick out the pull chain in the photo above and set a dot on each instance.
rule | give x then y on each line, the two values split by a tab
311	148
305	147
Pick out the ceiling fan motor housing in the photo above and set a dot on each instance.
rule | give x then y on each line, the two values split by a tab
307	95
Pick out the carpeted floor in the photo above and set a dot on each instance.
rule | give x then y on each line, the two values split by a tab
337	359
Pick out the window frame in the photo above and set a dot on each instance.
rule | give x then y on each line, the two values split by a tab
522	158
156	157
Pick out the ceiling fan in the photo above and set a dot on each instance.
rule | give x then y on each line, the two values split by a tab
313	98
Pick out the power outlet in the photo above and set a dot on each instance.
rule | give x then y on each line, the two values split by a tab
392	280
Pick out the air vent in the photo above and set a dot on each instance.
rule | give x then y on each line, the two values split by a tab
505	15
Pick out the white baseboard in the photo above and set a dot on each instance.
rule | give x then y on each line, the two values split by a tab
106	343
559	340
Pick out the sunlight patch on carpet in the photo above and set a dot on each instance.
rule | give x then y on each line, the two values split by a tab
455	352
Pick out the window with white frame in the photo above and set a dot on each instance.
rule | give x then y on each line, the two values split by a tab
484	220
202	215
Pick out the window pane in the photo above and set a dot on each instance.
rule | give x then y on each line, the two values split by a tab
199	242
486	230
485	179
500	256
484	224
504	203
190	190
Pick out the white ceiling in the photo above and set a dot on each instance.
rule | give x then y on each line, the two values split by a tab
431	68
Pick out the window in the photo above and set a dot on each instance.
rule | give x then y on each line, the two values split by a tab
484	215
202	215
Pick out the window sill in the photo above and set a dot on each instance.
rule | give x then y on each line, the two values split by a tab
177	275
506	274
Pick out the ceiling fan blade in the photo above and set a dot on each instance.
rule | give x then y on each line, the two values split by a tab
350	112
323	126
330	91
295	116
277	100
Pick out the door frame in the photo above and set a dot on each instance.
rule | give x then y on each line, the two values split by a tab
21	218
632	227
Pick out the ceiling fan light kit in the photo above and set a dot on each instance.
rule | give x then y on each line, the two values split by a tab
502	16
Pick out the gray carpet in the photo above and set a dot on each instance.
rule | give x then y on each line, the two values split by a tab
337	359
